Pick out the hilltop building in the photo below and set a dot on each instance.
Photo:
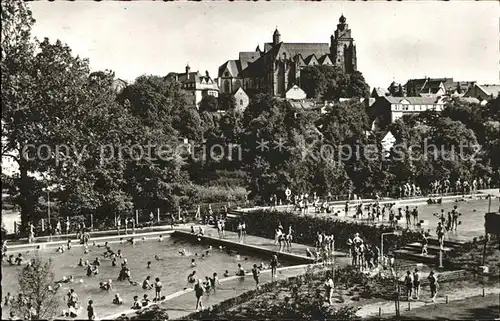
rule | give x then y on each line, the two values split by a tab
388	109
197	85
483	92
277	68
435	87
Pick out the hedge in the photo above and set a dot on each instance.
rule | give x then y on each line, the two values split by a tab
264	223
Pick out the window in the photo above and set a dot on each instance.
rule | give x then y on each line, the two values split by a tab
241	102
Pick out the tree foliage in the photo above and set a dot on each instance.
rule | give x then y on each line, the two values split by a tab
39	302
330	83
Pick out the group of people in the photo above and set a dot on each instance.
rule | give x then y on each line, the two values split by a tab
382	212
460	186
412	282
364	256
284	240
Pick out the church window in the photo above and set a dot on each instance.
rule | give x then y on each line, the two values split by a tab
241	102
226	86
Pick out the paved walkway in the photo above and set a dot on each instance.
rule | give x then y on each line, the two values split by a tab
472	220
182	303
388	307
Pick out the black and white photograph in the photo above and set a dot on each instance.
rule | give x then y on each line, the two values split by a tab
250	160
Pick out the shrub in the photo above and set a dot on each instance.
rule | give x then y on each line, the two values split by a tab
264	222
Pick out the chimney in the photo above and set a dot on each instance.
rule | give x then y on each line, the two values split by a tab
187	69
207	74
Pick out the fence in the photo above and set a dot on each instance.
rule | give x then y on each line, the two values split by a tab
140	217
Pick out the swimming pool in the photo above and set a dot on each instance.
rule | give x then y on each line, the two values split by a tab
172	270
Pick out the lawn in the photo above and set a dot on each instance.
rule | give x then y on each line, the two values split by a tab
476	308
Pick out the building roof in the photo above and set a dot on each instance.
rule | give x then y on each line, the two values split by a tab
233	66
303	104
380	92
306	49
490	89
247	58
413	100
200	81
322	59
472	100
433	85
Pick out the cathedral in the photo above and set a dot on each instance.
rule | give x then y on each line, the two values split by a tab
277	68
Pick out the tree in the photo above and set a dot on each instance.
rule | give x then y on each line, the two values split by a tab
227	101
17	52
209	103
331	83
34	282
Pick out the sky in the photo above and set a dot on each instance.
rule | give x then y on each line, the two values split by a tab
395	40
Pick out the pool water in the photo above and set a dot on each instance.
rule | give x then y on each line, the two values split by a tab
172	271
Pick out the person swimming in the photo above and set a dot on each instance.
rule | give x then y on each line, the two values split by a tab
149	265
241	271
183	252
117	300
226	274
160	238
146	284
80	262
193	263
158	258
191	277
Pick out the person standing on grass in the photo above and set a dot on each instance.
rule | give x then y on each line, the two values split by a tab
274	266
407	216
67	225
199	290
255	273
408	284
425	242
329	286
433	283
440	234
90	310
415	216
416	283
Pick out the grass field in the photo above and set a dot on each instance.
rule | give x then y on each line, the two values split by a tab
476	308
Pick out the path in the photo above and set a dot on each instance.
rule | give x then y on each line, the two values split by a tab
472	220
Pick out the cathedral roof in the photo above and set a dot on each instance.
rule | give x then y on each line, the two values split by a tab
323	58
305	49
247	58
233	66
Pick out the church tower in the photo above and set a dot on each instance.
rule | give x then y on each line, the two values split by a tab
342	47
276	37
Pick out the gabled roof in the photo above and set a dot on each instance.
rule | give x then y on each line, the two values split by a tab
309	60
247	58
380	92
255	69
233	66
490	89
412	100
325	59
